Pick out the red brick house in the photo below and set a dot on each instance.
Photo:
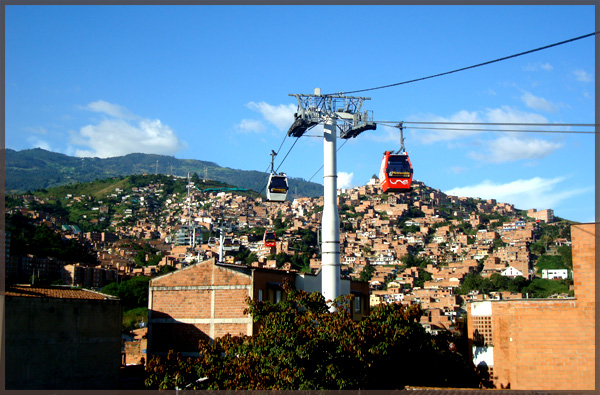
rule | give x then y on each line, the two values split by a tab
208	299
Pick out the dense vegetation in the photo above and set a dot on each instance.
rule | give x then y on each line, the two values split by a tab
302	345
536	288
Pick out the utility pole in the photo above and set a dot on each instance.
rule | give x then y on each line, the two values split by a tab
329	109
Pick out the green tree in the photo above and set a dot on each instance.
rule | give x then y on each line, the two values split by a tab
567	255
367	273
424	275
301	345
132	292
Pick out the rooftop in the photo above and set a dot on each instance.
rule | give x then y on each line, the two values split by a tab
54	292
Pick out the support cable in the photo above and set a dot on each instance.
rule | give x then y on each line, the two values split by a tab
509	130
345	141
474	66
394	124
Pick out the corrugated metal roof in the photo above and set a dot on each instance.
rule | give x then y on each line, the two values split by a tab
54	292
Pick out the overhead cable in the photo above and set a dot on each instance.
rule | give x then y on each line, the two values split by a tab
394	123
508	130
286	155
472	67
494	123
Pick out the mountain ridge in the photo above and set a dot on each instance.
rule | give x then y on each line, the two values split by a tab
37	168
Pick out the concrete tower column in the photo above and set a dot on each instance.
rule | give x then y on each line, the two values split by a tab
330	226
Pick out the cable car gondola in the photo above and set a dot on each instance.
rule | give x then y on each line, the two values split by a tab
227	244
236	245
270	239
212	242
396	172
277	186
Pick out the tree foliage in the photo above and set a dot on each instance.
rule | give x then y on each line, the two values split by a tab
300	344
43	242
496	282
133	292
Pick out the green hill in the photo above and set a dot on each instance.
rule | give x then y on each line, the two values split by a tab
35	169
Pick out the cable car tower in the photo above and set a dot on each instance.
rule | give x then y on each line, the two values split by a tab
331	109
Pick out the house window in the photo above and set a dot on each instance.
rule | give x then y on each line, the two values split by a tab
357	304
260	295
275	293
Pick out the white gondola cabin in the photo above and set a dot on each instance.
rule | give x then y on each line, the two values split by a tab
277	187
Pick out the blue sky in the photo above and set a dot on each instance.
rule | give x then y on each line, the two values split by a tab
213	83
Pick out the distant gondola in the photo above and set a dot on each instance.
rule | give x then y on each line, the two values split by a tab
277	187
227	244
212	242
270	239
396	172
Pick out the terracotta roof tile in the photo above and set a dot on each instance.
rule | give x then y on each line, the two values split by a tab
54	292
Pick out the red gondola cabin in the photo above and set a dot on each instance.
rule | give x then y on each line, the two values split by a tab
396	172
270	239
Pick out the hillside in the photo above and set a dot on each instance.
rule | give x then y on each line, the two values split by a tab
40	169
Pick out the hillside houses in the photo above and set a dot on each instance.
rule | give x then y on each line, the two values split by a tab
455	236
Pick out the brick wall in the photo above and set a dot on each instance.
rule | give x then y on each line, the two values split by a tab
134	351
202	301
542	344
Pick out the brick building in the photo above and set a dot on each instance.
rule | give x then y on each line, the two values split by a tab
543	215
208	299
541	344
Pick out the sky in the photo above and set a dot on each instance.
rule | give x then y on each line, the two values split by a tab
213	83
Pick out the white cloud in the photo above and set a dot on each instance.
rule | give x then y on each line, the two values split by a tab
121	136
540	193
250	126
432	136
37	143
281	116
582	75
110	109
506	114
457	169
512	148
344	180
538	66
37	130
538	103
